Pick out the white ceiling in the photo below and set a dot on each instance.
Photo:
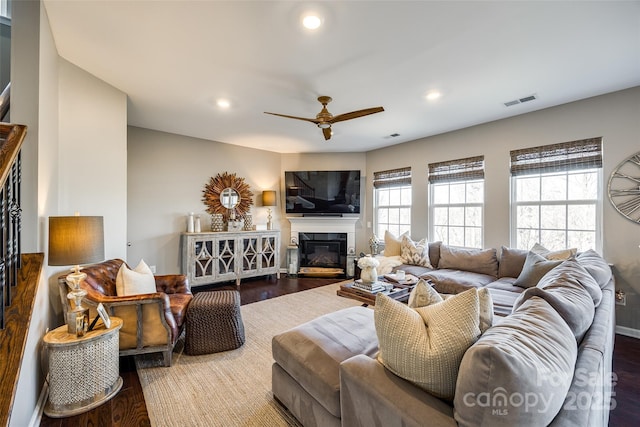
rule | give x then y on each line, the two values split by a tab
174	59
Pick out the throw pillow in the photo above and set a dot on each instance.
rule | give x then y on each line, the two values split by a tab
140	280
423	294
532	352
535	266
481	261
415	253
392	243
425	345
562	254
511	262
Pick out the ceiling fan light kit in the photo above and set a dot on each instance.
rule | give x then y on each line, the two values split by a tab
324	119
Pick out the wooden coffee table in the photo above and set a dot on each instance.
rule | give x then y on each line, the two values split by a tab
399	292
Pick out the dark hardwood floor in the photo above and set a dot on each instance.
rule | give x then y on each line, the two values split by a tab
128	408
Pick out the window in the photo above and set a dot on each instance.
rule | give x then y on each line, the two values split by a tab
5	9
556	195
456	201
392	199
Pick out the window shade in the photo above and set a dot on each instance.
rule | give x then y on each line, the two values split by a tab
581	154
392	178
457	170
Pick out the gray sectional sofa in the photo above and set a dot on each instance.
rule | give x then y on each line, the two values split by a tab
545	361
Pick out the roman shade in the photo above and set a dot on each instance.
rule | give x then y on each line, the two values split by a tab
392	178
457	170
572	155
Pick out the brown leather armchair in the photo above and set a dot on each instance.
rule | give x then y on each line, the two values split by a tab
151	322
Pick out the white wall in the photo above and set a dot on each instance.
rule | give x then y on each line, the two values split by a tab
167	174
74	158
615	117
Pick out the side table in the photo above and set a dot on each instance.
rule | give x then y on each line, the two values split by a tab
84	372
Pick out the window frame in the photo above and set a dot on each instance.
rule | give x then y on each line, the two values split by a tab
597	203
454	172
396	179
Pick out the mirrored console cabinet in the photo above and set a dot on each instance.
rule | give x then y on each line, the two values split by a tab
225	256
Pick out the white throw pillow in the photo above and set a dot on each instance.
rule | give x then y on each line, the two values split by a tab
140	280
425	345
415	253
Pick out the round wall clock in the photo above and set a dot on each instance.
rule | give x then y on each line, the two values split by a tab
624	188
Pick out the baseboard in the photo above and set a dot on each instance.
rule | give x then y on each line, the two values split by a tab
36	418
628	332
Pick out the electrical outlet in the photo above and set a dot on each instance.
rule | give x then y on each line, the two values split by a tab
621	298
152	268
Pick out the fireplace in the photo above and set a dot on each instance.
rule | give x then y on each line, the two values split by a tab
323	251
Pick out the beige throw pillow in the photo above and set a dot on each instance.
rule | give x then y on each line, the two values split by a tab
423	294
415	253
392	243
140	280
425	345
562	255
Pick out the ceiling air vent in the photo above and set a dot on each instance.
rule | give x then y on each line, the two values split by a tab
520	101
393	135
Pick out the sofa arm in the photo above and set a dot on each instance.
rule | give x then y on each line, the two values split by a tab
173	284
372	395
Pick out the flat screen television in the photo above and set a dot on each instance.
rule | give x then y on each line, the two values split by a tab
322	192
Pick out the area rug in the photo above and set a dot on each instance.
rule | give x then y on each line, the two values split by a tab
232	388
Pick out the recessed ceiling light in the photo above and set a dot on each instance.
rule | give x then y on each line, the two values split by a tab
433	95
223	103
311	22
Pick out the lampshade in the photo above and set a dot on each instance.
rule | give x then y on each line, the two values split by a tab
269	198
75	240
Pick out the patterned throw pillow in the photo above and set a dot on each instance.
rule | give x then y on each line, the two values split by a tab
425	345
415	253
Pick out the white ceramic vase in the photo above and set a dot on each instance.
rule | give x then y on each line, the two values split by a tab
369	275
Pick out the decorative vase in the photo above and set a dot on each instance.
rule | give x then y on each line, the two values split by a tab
217	222
369	275
248	222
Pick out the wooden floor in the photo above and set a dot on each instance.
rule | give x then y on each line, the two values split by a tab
128	408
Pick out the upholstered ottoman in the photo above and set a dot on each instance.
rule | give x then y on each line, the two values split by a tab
214	323
306	372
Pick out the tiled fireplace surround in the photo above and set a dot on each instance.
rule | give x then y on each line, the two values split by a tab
346	225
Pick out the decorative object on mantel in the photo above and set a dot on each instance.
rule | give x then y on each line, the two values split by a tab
368	265
228	195
624	188
197	228
217	222
269	199
190	223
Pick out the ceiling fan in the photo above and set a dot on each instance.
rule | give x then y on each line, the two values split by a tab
324	119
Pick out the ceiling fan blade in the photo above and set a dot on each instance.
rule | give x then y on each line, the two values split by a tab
355	114
327	133
315	121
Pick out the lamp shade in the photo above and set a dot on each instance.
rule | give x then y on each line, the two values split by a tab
75	240
268	198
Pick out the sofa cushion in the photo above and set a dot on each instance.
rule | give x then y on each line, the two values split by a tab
518	372
482	261
562	254
596	266
506	284
448	281
434	253
535	266
503	301
140	280
425	345
572	292
312	352
511	261
415	253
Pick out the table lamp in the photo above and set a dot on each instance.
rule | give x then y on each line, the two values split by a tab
269	199
75	240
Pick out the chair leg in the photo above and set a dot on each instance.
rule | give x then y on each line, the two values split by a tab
166	355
